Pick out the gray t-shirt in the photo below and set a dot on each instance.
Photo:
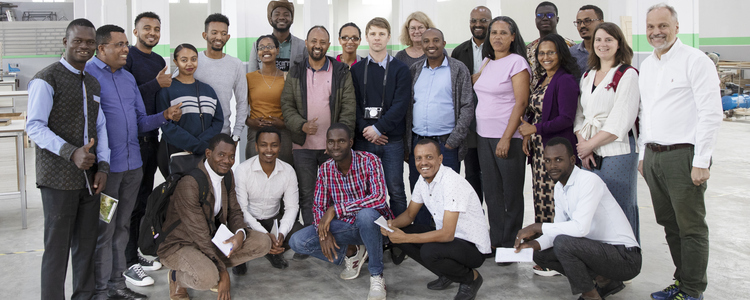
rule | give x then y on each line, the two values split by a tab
227	77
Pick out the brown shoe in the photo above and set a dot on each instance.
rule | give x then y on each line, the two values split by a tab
175	291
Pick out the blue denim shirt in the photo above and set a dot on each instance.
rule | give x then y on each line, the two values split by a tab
126	116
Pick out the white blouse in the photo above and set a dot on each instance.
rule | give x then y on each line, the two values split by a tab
607	110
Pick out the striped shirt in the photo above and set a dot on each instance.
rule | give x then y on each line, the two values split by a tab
362	187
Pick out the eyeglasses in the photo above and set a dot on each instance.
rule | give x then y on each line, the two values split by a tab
118	45
420	28
548	15
264	48
482	20
549	53
350	38
585	22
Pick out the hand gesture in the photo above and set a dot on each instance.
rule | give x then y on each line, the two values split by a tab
526	129
83	158
588	161
370	134
254	123
276	122
164	78
276	243
526	145
236	241
310	127
173	113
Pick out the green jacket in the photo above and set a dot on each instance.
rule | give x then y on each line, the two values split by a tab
294	98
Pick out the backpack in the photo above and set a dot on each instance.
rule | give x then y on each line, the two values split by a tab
616	80
152	232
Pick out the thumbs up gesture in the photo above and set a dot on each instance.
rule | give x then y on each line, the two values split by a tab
164	78
526	129
173	113
311	128
83	158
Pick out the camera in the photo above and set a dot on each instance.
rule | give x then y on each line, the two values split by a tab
373	113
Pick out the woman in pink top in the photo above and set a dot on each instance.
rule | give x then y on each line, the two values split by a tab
502	88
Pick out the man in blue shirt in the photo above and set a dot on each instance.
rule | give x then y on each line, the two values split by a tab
442	108
150	72
588	17
122	105
72	161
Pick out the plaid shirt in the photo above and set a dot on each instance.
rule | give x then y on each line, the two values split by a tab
362	187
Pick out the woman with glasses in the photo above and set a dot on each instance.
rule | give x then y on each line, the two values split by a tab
349	38
264	98
502	88
605	119
411	35
202	117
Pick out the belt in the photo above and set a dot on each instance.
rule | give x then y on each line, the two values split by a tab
633	249
148	139
437	138
662	148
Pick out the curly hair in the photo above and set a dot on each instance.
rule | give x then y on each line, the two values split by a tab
416	16
565	59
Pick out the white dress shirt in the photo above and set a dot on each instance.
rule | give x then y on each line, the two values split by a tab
449	191
260	195
477	50
680	101
607	110
584	207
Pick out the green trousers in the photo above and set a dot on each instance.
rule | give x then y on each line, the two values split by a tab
680	208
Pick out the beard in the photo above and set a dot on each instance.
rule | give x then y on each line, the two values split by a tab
276	27
144	43
318	57
481	36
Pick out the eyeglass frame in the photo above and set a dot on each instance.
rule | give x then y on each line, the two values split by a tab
548	53
481	21
585	22
350	38
267	47
118	45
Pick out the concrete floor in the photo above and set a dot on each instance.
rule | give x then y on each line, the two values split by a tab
727	211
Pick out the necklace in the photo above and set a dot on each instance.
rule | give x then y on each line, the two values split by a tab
266	82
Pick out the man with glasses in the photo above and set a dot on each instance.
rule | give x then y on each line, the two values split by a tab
470	53
123	107
291	48
546	22
588	17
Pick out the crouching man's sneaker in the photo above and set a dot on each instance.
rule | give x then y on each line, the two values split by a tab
149	265
377	288
683	296
136	276
354	263
125	293
667	293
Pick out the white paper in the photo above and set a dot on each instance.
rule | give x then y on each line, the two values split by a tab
383	223
275	229
510	255
223	234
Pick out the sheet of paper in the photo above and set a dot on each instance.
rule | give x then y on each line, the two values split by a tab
223	234
383	223
275	229
510	255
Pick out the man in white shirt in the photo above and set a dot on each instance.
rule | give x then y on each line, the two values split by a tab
454	250
267	192
590	239
680	118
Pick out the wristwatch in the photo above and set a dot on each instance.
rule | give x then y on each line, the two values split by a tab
236	138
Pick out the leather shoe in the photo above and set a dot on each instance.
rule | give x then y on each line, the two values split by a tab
397	255
469	291
240	269
300	256
125	293
277	261
439	284
610	289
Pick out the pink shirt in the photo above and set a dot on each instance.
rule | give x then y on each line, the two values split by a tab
495	95
318	106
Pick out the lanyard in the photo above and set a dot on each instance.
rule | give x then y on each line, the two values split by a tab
385	77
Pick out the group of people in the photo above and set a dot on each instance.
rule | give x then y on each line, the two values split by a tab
328	137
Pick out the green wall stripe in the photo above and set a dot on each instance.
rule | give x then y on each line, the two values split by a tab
725	41
640	41
162	50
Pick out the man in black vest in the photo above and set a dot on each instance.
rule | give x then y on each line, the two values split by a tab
72	161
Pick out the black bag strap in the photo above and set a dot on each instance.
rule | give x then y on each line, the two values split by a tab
200	177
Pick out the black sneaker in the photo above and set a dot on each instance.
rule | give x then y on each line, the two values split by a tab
277	261
610	289
469	291
240	269
300	256
149	265
439	284
125	293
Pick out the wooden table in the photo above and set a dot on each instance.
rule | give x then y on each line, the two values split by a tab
16	128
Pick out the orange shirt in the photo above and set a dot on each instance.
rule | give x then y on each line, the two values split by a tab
264	101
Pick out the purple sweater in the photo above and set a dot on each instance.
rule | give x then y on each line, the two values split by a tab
559	108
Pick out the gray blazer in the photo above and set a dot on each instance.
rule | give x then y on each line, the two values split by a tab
298	52
463	105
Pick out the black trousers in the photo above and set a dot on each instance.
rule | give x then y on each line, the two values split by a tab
70	228
268	225
149	147
582	259
455	260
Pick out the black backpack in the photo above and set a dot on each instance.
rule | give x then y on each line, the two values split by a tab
152	233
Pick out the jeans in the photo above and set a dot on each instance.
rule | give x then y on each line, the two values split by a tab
582	259
363	231
679	207
149	146
450	159
306	163
109	259
70	219
392	157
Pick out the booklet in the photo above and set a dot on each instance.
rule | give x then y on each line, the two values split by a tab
383	223
510	255
107	207
223	234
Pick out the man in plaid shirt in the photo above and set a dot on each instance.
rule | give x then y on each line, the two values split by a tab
349	196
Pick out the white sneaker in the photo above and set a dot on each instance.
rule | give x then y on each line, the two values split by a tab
149	265
136	276
377	288
546	272
354	263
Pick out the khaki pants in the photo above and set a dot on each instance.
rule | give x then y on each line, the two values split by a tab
196	271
